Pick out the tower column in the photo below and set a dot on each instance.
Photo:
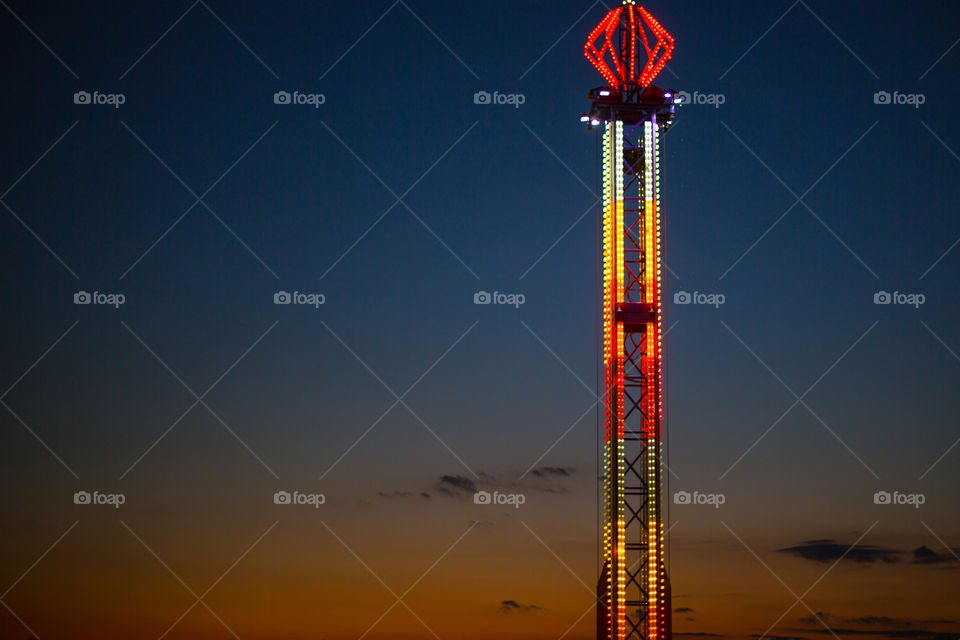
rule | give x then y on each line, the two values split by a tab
634	589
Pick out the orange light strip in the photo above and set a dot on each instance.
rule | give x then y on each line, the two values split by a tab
611	532
617	168
661	336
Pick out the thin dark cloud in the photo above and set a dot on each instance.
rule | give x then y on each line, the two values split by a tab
454	485
868	620
885	621
898	634
683	610
548	474
394	494
555	489
873	625
830	551
926	555
544	472
509	606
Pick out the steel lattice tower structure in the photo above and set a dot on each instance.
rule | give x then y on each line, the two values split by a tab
634	589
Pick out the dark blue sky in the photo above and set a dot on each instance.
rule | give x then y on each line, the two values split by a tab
797	199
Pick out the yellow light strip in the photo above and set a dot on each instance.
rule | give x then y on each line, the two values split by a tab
621	564
611	537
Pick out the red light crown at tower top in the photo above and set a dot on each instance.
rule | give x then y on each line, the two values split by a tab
618	35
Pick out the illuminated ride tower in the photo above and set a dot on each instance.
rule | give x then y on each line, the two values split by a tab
629	48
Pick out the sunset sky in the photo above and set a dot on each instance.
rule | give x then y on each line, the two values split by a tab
393	198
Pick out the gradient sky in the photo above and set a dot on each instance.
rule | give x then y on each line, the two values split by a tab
798	199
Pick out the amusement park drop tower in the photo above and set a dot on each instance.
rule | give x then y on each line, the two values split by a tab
634	589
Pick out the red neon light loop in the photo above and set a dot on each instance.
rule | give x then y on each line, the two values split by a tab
620	66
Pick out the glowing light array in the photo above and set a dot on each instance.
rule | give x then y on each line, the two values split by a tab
658	56
632	316
617	291
651	250
621	564
609	283
611	536
609	60
661	561
607	26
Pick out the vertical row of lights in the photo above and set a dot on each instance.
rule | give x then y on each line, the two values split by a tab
661	560
609	346
633	41
621	566
651	250
661	336
613	359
